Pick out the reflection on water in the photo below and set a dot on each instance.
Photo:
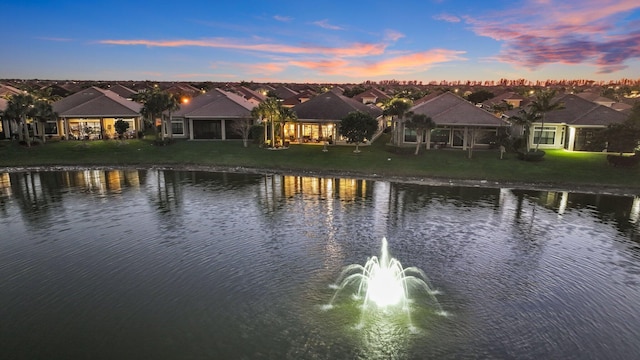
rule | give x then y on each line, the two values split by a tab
173	264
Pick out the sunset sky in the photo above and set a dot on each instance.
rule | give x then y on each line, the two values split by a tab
320	41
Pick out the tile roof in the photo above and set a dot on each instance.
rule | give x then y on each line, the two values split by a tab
375	93
578	111
96	102
3	104
284	92
7	90
331	106
248	93
449	109
123	91
216	103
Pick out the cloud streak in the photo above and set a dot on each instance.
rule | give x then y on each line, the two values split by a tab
325	25
405	64
353	50
354	60
551	31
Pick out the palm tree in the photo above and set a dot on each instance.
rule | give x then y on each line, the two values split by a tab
41	112
269	112
19	108
172	103
421	123
397	107
155	103
285	115
543	104
526	118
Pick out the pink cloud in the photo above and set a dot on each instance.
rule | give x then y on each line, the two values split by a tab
448	18
354	50
553	31
398	65
392	35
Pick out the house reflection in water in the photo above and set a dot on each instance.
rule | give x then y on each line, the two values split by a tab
37	184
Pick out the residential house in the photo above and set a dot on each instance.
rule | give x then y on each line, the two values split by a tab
298	98
210	115
509	98
253	97
574	126
91	114
7	91
459	124
123	91
283	92
319	117
372	96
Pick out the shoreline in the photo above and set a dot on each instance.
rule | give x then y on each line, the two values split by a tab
429	181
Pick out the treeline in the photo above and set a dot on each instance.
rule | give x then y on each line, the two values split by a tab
511	82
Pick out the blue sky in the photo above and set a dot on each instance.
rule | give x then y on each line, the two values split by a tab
326	42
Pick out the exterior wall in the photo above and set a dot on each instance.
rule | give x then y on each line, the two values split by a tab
552	136
94	128
206	129
459	137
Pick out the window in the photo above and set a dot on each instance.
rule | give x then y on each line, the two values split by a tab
485	137
177	127
51	128
410	135
440	136
544	135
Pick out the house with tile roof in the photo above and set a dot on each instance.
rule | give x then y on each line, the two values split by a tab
283	92
7	90
91	114
372	96
512	99
252	96
574	126
123	91
209	116
319	117
459	124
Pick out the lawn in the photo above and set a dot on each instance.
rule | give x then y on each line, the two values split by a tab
558	166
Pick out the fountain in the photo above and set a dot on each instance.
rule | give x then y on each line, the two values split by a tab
383	284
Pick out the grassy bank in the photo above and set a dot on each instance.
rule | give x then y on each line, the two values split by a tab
558	167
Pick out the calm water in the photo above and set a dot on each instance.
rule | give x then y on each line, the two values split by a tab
193	265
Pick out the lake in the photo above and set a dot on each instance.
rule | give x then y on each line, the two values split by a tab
158	264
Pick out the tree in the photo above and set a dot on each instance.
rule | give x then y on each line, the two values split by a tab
543	104
358	126
172	104
526	118
121	127
421	124
501	108
41	112
634	115
285	115
155	103
397	107
18	109
271	112
480	96
243	127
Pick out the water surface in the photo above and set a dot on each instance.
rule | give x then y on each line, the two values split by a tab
190	265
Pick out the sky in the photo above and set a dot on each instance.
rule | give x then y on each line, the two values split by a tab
320	41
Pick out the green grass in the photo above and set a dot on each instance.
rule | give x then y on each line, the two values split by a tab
558	166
